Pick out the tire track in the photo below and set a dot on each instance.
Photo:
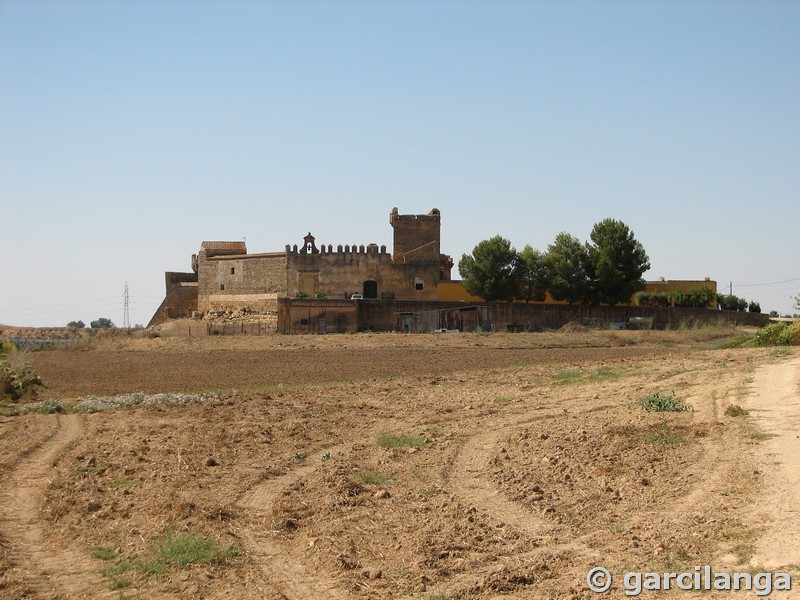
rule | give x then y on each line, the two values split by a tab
287	573
53	570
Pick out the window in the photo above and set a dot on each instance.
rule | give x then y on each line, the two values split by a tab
233	270
221	287
419	286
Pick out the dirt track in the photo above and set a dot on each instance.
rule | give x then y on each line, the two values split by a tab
532	468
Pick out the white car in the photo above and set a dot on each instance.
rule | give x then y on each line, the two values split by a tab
356	297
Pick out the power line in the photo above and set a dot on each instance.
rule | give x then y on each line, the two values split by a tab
769	283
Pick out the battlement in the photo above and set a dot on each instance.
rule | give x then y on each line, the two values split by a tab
346	250
434	216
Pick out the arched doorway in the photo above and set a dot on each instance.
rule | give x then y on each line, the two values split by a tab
370	289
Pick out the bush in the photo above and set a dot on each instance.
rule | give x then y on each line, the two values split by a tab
16	378
659	402
778	334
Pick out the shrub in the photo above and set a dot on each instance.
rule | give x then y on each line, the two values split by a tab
778	334
16	378
660	402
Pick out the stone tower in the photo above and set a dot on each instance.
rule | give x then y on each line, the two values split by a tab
416	237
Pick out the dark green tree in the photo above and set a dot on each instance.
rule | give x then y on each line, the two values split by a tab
76	324
703	297
616	263
490	271
101	323
533	275
567	261
731	302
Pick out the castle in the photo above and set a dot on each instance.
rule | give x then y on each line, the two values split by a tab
225	276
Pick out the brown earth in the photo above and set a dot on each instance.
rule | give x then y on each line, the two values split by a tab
524	465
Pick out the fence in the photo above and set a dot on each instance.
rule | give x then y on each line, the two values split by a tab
233	328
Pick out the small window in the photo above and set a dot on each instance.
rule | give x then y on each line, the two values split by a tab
303	321
419	286
233	270
221	287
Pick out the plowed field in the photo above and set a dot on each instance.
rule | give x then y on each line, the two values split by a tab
393	466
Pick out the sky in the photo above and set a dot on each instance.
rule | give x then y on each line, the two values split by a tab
132	131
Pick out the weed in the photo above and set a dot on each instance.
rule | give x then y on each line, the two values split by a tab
122	482
676	558
502	400
581	376
104	554
760	436
665	438
617	528
734	410
91	469
300	455
368	477
183	549
745	550
117	574
781	352
389	440
175	551
568	377
661	402
45	407
326	457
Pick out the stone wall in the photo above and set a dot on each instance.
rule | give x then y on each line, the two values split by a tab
368	271
180	300
416	237
231	282
426	316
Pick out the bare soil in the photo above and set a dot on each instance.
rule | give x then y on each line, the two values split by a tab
520	462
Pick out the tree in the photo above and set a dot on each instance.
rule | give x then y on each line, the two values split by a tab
616	263
703	297
754	307
489	272
76	324
567	261
797	302
731	302
533	275
101	323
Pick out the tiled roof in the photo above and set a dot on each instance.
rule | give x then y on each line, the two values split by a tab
225	246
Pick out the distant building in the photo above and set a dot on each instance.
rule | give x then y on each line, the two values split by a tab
225	276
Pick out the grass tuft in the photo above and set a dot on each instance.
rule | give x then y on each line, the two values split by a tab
368	477
389	440
734	410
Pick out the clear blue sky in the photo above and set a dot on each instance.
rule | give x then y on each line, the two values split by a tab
132	131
